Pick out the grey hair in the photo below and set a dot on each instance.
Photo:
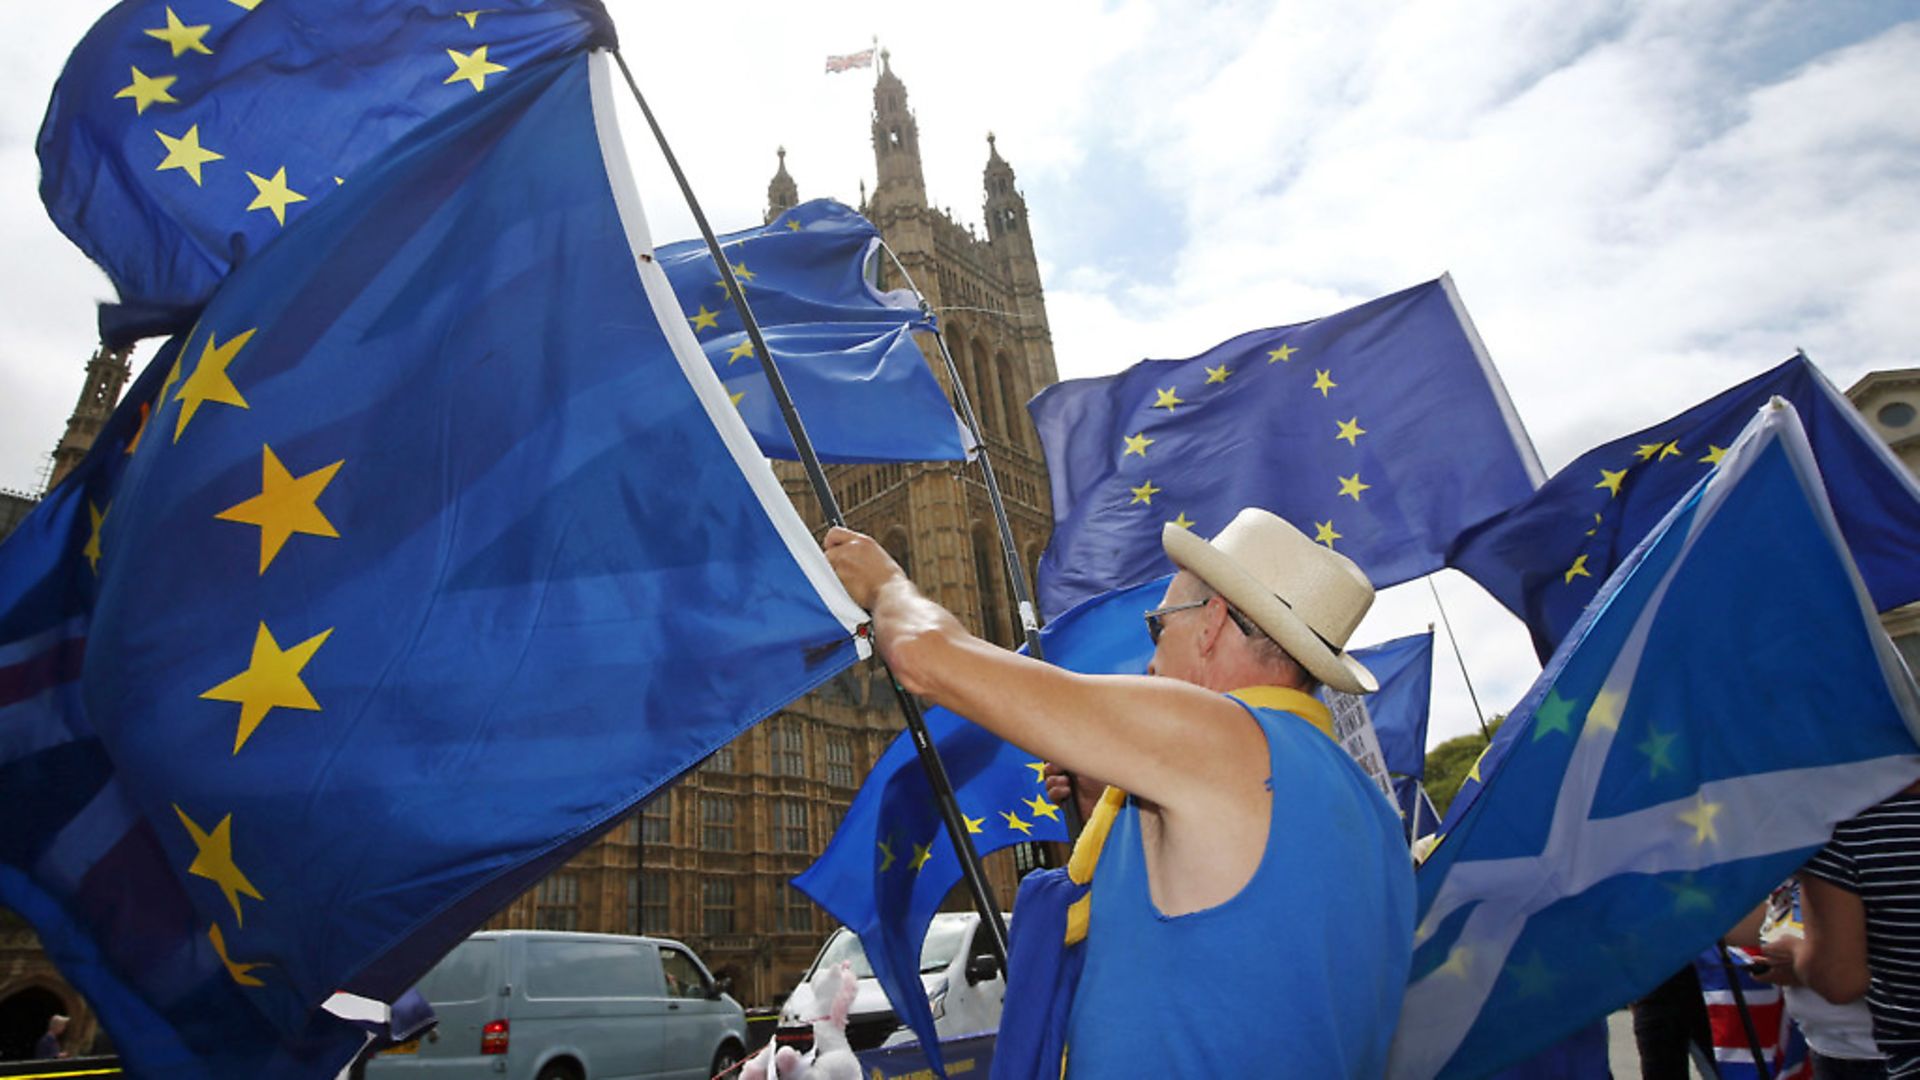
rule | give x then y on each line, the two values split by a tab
1269	652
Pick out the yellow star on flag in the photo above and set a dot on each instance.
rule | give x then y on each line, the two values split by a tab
213	860
1014	822
1714	454
148	90
247	4
1658	747
286	505
1578	569
274	194
1554	714
472	17
1671	449
704	319
1597	521
474	67
740	271
742	351
271	681
186	153
1689	897
1351	485
1218	375
921	853
182	38
1459	962
1611	480
209	381
1701	818
1144	493
793	225
1646	450
736	398
1137	444
886	854
1039	771
1182	521
1042	808
1323	382
1604	714
1284	354
1351	431
1535	977
237	970
1323	533
974	824
1473	773
1166	399
97	517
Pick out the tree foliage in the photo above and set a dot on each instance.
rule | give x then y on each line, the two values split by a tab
1449	763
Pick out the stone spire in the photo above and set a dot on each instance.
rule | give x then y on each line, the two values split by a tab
106	376
896	141
782	193
1006	208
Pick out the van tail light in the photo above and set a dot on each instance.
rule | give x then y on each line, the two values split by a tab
493	1037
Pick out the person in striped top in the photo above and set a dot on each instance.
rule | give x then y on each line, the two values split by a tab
1860	904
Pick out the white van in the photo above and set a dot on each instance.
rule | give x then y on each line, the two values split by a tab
963	979
546	1005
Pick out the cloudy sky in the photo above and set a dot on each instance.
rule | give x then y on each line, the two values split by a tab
1642	203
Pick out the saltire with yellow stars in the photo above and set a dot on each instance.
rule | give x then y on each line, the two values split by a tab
1546	558
868	877
1381	431
184	135
1726	700
845	348
439	548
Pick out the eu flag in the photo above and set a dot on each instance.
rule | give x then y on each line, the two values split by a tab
186	134
846	349
1546	558
1727	698
1383	429
891	864
438	548
1404	668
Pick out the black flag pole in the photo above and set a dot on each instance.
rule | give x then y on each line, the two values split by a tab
1016	571
936	770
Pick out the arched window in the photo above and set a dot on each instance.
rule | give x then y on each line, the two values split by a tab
986	398
993	591
899	545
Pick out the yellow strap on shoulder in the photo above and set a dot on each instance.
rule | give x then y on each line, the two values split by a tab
1286	699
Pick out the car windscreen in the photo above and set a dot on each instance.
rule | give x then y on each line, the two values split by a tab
944	941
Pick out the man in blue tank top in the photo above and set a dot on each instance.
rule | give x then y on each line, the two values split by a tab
1252	908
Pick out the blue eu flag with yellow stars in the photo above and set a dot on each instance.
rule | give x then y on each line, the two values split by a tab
1725	701
846	349
1381	432
1399	709
1546	558
891	864
430	551
184	135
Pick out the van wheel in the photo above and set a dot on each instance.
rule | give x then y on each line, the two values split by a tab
725	1059
559	1070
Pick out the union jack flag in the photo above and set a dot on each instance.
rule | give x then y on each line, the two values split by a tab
1780	1039
849	61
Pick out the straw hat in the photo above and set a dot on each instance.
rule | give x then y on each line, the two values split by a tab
1307	598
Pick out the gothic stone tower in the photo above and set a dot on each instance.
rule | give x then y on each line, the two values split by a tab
708	859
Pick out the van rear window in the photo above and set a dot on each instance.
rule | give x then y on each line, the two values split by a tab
592	969
468	973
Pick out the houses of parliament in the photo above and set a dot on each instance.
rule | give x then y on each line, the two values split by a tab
707	859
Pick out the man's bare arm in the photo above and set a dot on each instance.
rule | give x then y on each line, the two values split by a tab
1167	741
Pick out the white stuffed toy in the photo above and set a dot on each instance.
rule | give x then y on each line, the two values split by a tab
832	1056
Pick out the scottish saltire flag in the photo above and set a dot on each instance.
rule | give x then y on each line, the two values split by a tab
1727	699
1404	668
846	349
1546	558
1381	431
186	134
1416	808
440	546
891	864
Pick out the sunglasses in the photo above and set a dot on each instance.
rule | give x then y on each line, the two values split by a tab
1156	619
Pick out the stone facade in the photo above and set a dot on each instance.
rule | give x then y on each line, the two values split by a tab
708	861
1890	402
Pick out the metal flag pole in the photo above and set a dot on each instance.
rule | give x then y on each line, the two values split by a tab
916	722
1016	571
1461	660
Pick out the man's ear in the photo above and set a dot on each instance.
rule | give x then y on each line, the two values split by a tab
1216	622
